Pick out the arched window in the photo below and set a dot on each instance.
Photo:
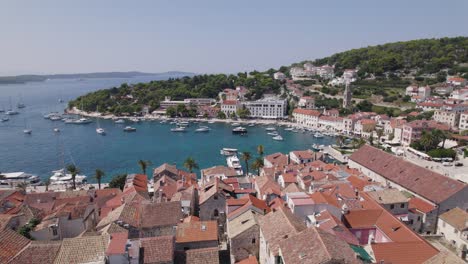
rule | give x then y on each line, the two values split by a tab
216	213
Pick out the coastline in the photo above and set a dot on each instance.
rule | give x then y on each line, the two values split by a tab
150	117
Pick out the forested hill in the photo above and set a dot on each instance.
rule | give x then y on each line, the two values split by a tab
424	55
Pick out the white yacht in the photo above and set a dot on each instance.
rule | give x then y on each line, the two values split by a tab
318	135
61	177
12	112
82	121
228	151
56	130
119	121
211	122
239	130
135	119
289	129
278	138
270	129
129	129
233	162
274	133
100	131
55	118
178	129
49	115
235	124
14	178
203	129
27	131
251	125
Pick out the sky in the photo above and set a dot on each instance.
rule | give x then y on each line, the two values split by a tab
206	36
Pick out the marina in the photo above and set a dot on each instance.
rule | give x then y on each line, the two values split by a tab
118	151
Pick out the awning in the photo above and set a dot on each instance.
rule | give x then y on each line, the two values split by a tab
362	253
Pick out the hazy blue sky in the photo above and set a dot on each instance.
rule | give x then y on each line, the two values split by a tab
65	36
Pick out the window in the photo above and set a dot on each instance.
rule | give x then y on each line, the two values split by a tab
54	231
392	206
402	205
419	218
216	213
253	240
216	196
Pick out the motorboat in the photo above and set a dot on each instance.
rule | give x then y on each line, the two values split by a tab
135	119
100	131
203	129
4	119
251	125
20	105
228	151
12	179
183	124
233	162
129	129
163	122
61	177
47	116
278	137
27	131
289	129
11	112
239	130
82	121
274	133
55	118
270	129
235	124
179	129
318	135
211	122
119	121
56	130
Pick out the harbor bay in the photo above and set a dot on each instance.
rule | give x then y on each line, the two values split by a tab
44	150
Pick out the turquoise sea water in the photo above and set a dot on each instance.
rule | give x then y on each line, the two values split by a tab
117	152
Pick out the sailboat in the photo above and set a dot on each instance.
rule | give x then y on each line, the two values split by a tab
99	129
11	111
61	176
26	130
20	103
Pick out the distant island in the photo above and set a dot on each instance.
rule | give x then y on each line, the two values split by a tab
131	74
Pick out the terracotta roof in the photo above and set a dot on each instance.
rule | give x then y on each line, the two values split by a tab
241	223
359	182
427	183
289	177
409	252
278	226
249	260
202	256
457	218
363	218
388	196
11	243
291	188
329	223
303	154
38	252
197	231
306	112
314	246
160	214
117	243
82	249
158	249
219	170
276	203
267	186
278	159
420	205
229	102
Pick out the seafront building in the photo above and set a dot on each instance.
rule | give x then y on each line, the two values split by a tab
300	209
187	102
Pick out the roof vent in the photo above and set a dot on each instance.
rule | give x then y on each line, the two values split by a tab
203	227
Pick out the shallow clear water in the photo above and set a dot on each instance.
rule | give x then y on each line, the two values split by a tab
117	152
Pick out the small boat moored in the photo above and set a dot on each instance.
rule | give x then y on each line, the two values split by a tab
129	129
278	138
239	130
228	151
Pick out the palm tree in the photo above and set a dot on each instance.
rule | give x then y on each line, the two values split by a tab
22	186
257	165
340	140
73	170
98	176
439	135
426	140
190	164
246	157
143	165
47	184
260	150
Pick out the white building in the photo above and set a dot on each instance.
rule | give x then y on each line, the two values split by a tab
189	101
279	76
306	117
350	75
450	118
453	226
267	108
463	125
456	81
230	107
460	94
307	102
